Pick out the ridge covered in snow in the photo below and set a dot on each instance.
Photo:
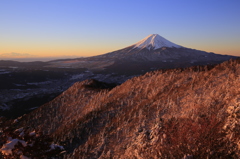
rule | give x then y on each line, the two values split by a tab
154	41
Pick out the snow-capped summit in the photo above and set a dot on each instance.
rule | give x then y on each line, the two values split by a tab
154	41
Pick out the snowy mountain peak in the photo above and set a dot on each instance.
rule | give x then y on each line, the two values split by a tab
154	41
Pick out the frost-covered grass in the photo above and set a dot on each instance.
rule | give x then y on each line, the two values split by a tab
180	113
25	144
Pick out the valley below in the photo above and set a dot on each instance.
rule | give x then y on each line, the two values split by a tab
24	88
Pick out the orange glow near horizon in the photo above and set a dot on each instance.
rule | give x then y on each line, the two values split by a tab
34	49
46	52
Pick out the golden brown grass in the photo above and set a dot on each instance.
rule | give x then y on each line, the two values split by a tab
162	114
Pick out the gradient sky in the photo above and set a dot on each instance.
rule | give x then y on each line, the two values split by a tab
43	28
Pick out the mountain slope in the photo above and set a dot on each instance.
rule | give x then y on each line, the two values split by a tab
156	48
162	114
151	53
70	105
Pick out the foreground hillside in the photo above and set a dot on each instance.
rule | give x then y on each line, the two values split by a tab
190	113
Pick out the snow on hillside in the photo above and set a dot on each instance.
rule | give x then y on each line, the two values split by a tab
154	41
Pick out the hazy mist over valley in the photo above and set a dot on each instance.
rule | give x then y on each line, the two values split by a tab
43	59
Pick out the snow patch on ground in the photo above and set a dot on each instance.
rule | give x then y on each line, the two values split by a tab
4	107
24	157
4	72
55	146
19	130
40	83
18	84
33	133
33	108
7	148
80	76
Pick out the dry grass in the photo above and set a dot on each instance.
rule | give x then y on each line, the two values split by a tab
162	114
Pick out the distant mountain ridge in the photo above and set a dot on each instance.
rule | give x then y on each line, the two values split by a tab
156	48
151	53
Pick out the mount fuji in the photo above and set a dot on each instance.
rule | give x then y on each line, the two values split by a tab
151	53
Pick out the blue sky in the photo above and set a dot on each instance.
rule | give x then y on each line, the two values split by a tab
40	28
